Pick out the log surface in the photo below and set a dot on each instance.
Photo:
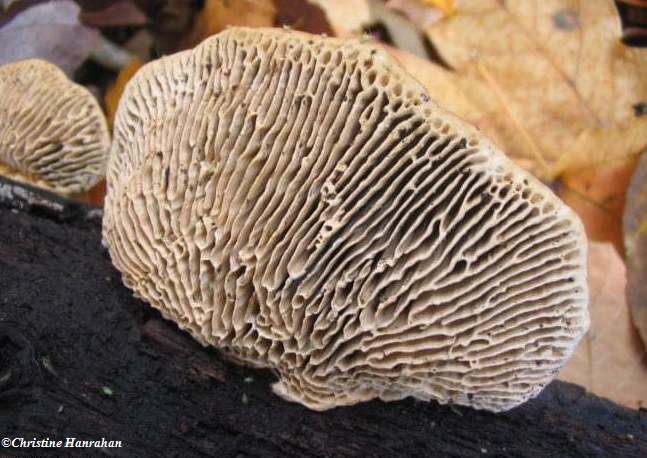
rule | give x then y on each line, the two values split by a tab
80	357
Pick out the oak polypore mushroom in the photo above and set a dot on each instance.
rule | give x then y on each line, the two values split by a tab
301	204
53	133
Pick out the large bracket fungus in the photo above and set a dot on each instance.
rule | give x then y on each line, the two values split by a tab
301	204
53	133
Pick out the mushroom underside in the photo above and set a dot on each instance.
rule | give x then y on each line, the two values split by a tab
301	204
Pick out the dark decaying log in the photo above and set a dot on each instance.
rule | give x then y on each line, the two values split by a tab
80	357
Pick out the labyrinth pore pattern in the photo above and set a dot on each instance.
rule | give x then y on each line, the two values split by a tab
301	204
52	131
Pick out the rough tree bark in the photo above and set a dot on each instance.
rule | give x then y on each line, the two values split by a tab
80	357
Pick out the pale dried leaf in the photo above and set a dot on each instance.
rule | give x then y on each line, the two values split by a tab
439	82
610	360
446	88
49	31
598	147
544	71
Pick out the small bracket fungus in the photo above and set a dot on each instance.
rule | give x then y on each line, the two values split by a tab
301	204
53	133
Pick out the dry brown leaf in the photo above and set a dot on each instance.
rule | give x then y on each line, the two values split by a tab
635	233
610	361
218	14
545	73
597	194
594	184
595	147
94	196
302	15
113	94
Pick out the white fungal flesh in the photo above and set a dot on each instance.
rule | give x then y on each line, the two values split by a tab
53	133
301	204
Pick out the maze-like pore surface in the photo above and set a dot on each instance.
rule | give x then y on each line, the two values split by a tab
53	133
301	204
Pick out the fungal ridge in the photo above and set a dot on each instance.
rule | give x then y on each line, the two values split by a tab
53	133
301	204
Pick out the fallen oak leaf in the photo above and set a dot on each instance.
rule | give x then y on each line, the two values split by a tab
446	89
597	194
593	180
600	147
544	72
